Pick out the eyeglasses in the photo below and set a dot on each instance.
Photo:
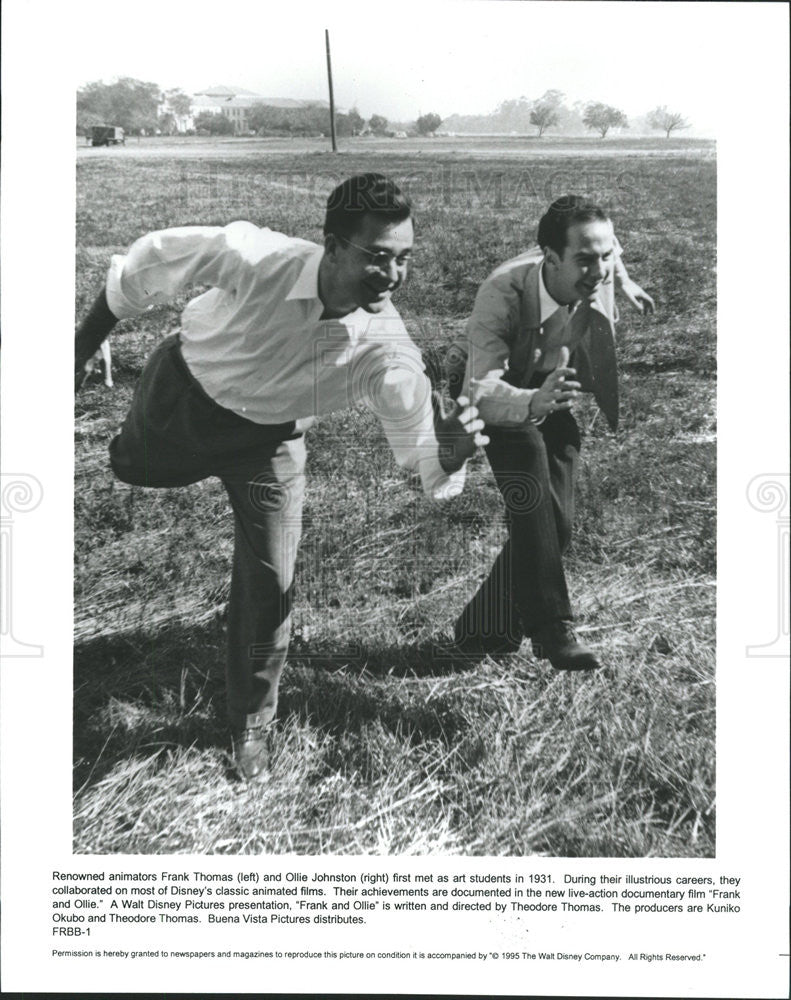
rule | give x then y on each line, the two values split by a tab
382	259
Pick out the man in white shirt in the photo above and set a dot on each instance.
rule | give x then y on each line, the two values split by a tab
287	332
530	316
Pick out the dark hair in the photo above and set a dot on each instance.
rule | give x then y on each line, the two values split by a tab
561	215
364	194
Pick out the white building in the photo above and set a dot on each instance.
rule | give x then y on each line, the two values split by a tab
233	102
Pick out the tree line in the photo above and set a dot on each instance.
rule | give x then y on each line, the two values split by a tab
130	103
135	106
550	111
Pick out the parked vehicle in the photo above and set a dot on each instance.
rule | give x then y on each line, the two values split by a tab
107	135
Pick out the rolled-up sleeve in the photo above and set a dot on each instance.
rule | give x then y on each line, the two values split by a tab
160	265
399	392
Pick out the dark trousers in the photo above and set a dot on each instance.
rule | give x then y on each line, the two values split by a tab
535	468
175	434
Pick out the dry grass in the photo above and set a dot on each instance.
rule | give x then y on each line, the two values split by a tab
381	745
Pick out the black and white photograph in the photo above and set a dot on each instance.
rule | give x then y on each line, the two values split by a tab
411	538
407	541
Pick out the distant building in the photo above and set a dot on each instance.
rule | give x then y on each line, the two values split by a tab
233	102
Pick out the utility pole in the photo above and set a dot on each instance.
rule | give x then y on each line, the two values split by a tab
332	99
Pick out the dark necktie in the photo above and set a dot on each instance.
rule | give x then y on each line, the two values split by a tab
599	347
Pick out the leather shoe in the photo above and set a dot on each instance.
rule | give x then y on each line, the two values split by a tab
558	643
250	751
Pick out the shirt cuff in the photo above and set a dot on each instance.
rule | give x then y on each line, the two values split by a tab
512	410
119	304
437	484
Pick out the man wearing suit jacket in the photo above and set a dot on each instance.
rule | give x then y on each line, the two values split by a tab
541	332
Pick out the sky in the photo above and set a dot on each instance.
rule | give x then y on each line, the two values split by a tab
406	59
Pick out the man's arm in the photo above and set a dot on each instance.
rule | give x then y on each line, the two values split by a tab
491	330
421	437
641	300
160	265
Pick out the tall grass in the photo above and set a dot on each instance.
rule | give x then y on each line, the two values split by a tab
383	744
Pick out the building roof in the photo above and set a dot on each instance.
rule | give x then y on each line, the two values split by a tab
289	102
238	97
223	91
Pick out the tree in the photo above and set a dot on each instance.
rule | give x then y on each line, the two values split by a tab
344	124
543	117
214	124
266	120
517	116
87	119
355	121
377	124
513	115
553	97
546	111
669	121
178	102
602	117
130	103
312	120
427	124
166	123
93	105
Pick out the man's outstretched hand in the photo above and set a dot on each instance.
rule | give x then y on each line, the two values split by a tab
641	300
458	433
558	391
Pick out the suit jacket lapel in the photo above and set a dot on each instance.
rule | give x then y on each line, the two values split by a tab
595	354
531	298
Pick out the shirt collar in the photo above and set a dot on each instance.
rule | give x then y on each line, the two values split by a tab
307	284
307	287
548	305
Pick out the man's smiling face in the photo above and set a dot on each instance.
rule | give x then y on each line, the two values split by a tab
585	264
357	278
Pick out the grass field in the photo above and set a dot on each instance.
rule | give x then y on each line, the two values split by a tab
381	747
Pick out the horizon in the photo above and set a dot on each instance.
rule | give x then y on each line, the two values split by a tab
496	43
688	131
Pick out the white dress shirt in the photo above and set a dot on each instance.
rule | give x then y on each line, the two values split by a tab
556	327
257	345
